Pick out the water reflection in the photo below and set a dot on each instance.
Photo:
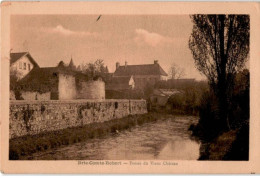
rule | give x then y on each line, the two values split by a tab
180	150
167	139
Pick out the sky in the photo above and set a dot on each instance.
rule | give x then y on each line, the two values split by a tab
137	39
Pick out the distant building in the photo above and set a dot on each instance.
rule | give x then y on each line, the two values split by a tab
142	74
22	63
159	97
71	64
59	83
120	83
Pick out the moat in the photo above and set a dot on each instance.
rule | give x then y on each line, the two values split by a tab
167	139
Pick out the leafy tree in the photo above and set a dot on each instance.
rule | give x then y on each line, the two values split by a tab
14	77
220	47
95	70
14	83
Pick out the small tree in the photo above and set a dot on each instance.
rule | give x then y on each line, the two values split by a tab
220	47
14	77
176	72
96	69
14	86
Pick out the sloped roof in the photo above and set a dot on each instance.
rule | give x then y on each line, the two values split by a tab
165	92
44	79
71	64
43	74
147	69
16	56
120	80
40	79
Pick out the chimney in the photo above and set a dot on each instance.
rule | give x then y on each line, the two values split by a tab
125	63
155	61
117	65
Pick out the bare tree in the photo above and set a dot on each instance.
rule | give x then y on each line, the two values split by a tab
220	47
176	72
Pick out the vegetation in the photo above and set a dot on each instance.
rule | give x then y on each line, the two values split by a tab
189	99
220	47
14	77
95	70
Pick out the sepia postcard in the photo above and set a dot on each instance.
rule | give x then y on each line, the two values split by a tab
130	87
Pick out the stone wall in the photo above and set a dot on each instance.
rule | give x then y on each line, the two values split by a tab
67	87
31	95
34	117
91	90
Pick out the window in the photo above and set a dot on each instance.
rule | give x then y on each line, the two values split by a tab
24	66
29	67
20	65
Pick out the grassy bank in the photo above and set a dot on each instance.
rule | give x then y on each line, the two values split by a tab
26	145
218	148
230	145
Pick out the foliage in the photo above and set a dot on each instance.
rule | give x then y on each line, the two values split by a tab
95	70
14	84
14	77
220	47
239	108
219	44
189	100
148	90
238	111
181	84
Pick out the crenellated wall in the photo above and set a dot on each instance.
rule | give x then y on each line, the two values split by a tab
34	117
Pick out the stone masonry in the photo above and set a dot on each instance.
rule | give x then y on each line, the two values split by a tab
34	117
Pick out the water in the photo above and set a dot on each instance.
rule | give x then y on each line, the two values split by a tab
167	139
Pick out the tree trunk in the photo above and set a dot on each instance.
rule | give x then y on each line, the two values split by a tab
222	105
222	82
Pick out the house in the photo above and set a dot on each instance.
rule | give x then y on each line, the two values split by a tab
120	87
142	74
22	63
120	83
59	83
160	97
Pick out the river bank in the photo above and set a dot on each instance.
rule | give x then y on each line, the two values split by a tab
27	145
229	145
166	138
